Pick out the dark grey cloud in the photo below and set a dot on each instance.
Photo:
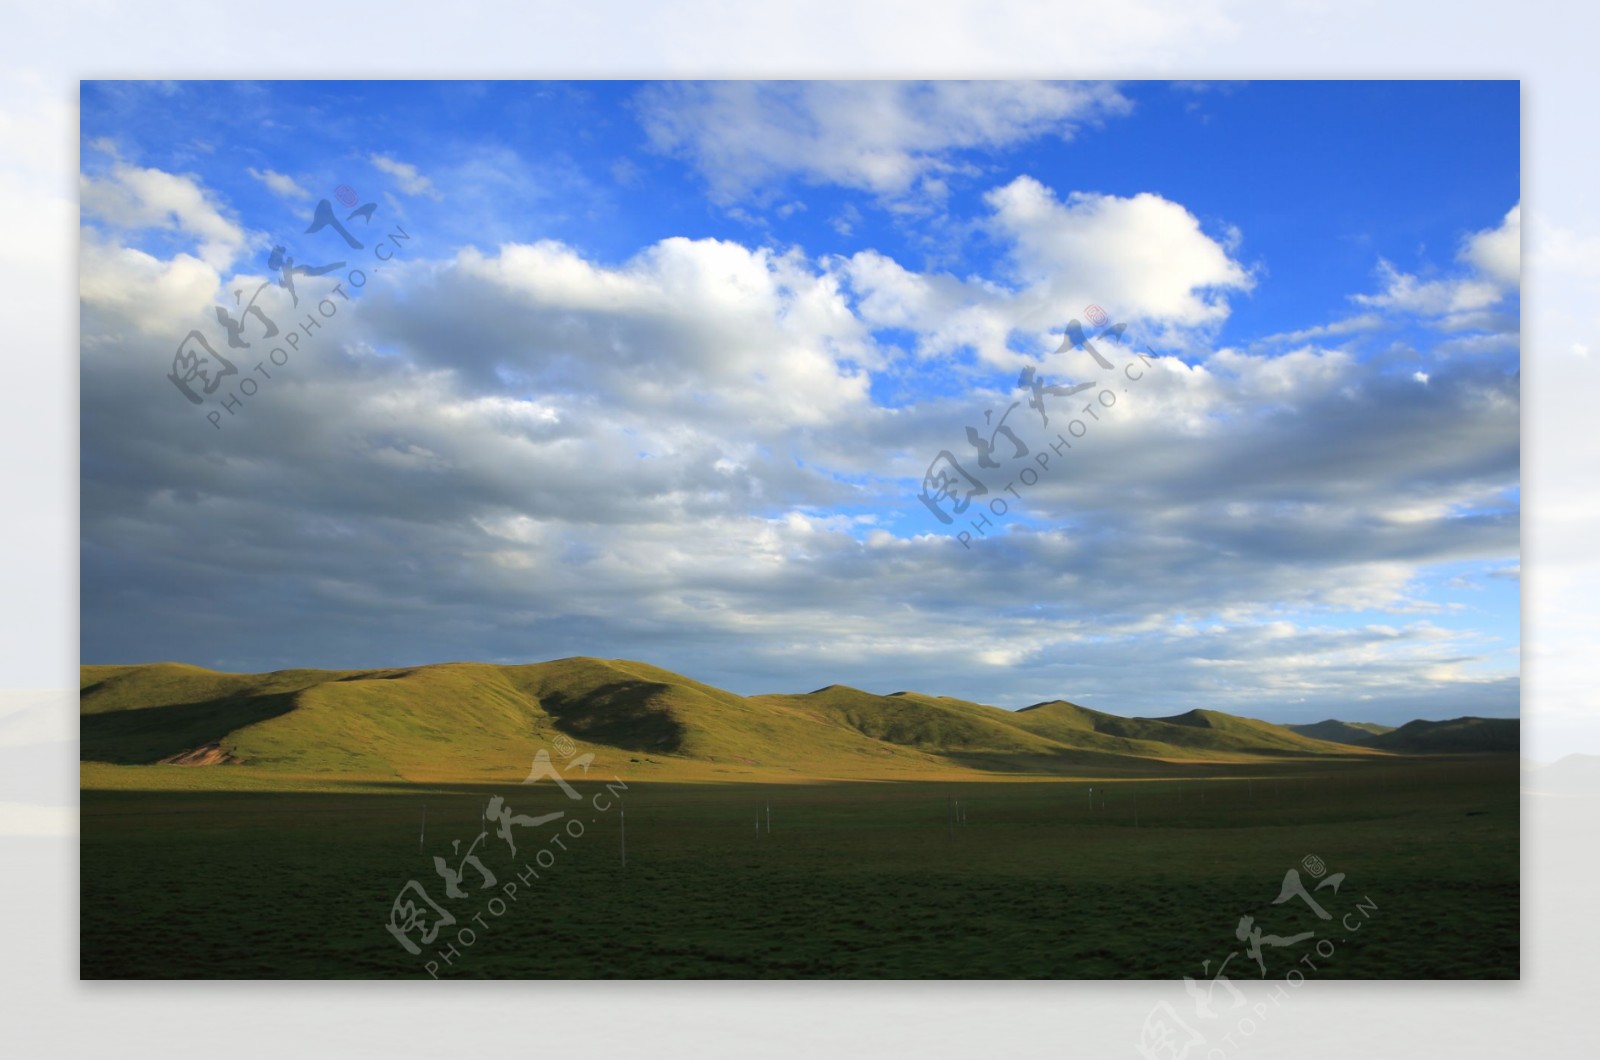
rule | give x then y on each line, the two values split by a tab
526	455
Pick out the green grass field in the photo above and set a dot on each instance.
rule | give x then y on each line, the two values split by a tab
227	873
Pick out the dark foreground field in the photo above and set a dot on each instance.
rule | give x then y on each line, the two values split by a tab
1143	879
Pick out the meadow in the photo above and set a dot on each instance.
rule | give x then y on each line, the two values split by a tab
1142	872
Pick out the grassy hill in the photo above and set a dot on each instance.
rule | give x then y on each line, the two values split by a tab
1197	734
1459	736
1359	733
465	721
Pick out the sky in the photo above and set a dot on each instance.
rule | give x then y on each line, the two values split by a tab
664	372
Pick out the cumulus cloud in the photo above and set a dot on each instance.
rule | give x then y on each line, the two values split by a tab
1144	255
141	291
133	198
687	329
528	453
1145	258
889	138
1497	252
945	313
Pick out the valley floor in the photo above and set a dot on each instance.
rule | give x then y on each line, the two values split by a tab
1026	878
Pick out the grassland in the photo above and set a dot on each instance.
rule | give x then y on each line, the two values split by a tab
911	836
469	721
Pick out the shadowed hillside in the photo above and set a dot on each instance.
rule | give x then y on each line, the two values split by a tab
471	720
1359	733
1458	736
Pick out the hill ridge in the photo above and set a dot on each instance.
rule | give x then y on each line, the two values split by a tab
466	719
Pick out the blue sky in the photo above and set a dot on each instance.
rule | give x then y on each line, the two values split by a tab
663	366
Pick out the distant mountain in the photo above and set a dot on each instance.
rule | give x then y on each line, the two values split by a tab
1197	733
462	721
1459	735
1358	733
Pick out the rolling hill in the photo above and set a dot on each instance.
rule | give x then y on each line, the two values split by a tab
1466	735
1456	736
464	721
1359	733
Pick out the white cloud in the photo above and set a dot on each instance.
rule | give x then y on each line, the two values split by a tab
1497	252
1141	257
1348	326
410	180
155	296
551	449
886	137
279	183
132	198
1464	301
1439	298
845	221
687	327
944	312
